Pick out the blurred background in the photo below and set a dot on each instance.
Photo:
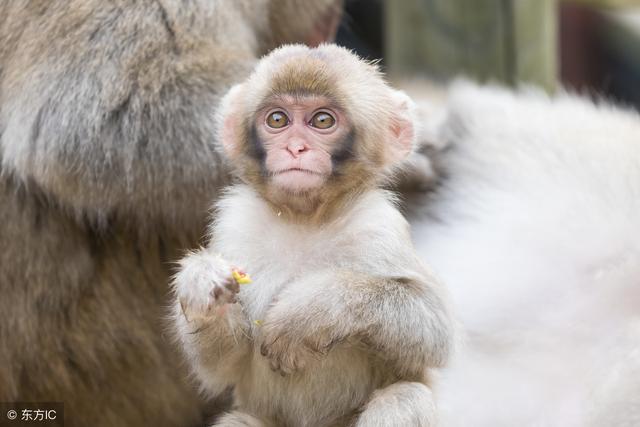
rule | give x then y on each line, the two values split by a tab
588	46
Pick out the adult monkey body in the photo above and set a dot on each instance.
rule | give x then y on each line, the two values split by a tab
106	120
342	323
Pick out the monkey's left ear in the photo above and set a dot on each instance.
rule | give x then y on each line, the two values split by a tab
401	128
229	122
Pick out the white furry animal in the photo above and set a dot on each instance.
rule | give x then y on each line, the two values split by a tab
342	323
536	230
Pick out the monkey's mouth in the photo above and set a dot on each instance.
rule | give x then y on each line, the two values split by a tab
303	170
298	180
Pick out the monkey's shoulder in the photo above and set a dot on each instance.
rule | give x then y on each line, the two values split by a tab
376	209
241	209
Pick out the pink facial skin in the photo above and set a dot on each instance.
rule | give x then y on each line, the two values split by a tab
298	155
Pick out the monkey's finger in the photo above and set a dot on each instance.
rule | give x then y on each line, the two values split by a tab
268	344
282	368
267	347
264	350
232	285
274	365
216	292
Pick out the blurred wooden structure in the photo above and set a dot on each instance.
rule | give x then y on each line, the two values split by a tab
511	41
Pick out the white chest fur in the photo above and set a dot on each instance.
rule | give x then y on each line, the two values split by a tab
250	235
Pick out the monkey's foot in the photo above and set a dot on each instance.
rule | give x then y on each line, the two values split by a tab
205	285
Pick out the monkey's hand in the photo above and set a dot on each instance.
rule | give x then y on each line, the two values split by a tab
292	338
205	285
288	350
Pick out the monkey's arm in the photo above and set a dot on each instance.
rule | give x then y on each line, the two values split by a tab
403	319
210	325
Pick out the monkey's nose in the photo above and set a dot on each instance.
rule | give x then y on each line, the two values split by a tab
296	147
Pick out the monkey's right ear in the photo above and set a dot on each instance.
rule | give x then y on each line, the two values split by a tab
230	121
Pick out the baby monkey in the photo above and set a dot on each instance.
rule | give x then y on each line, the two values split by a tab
342	322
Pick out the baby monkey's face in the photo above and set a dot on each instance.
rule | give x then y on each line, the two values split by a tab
311	128
303	137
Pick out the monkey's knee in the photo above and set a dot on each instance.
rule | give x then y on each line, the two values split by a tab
400	404
240	419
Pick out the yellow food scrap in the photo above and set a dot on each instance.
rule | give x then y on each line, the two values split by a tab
240	277
258	322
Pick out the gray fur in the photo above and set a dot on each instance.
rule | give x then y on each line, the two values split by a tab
107	171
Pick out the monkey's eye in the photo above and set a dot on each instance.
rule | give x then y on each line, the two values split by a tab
322	120
277	120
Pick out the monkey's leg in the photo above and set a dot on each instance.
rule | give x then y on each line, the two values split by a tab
240	419
400	404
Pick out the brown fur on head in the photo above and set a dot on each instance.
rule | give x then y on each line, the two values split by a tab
380	123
